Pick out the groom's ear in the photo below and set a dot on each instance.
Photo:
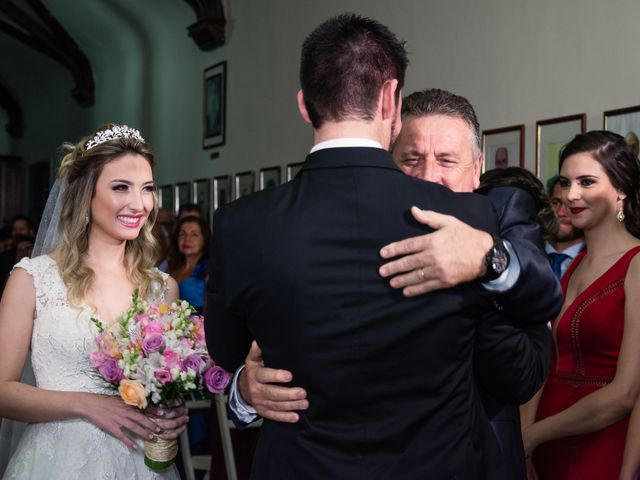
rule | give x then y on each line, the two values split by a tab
302	108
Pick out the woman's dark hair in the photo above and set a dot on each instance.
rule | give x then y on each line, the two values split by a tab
620	164
521	178
176	258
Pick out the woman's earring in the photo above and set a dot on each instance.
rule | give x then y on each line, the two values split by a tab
86	220
620	214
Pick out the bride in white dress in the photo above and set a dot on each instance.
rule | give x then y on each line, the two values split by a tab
78	428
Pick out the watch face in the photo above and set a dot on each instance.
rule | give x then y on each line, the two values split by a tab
500	260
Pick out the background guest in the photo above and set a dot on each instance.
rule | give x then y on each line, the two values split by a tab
189	210
569	240
189	259
162	230
523	178
20	225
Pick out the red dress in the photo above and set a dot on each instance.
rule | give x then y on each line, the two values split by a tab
584	358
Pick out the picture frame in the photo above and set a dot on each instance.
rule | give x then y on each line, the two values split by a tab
244	184
214	105
222	191
182	196
552	135
625	122
269	177
165	197
503	147
293	169
201	191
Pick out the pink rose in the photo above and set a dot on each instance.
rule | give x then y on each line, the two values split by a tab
153	327
152	343
216	379
171	358
164	376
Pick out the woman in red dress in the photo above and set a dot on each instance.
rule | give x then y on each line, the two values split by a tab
581	415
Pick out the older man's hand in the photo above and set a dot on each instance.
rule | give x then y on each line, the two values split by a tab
270	401
451	255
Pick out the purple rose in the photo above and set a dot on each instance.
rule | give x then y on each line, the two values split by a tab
194	362
152	343
216	379
110	371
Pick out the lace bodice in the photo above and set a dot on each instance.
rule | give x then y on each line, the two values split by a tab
63	336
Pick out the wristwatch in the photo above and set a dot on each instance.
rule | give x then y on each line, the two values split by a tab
496	260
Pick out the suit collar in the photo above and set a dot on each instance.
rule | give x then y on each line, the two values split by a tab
350	157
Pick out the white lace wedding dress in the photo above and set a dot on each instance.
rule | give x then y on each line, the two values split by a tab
61	343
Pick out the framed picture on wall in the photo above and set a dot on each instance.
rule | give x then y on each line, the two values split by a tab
165	197
214	105
625	122
269	177
202	197
221	191
292	170
551	137
503	147
244	184
182	196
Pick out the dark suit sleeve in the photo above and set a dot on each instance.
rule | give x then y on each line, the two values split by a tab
513	344
228	338
536	297
511	359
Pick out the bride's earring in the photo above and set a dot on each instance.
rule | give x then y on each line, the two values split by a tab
86	221
620	214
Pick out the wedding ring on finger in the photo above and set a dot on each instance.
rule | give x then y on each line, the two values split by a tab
421	274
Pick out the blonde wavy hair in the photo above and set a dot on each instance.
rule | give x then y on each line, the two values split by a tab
79	170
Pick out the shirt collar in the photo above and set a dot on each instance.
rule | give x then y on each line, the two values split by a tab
572	251
346	142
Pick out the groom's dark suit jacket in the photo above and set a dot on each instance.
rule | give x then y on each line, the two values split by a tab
390	380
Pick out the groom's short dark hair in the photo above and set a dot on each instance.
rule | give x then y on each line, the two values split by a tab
344	63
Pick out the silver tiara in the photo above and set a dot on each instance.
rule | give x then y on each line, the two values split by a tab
117	131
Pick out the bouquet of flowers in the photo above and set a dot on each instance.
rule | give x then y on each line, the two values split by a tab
155	354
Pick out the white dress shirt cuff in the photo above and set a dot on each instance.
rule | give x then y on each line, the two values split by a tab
243	411
509	277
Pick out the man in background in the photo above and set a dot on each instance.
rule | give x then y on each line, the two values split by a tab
569	241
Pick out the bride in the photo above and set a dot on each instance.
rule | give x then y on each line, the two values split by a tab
102	251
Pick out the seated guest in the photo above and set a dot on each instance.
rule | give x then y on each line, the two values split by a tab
569	241
189	259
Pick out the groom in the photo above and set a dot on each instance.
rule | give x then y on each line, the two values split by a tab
389	379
